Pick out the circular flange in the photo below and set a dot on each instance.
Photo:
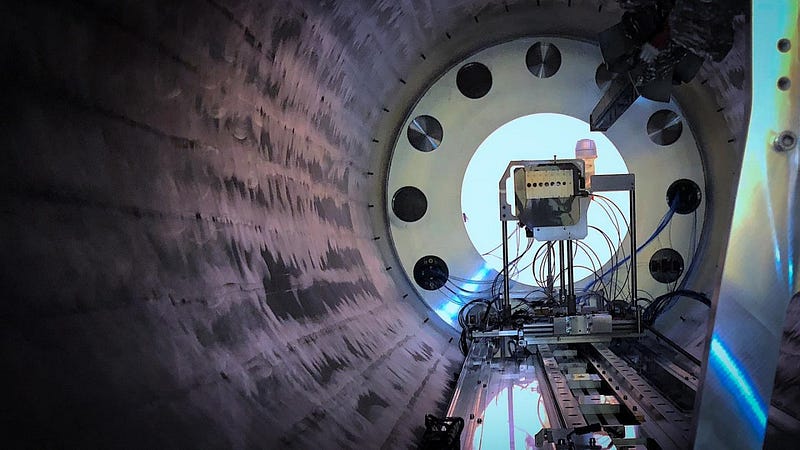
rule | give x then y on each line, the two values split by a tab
409	204
474	80
603	77
425	133
543	59
468	122
664	127
685	195
431	272
666	266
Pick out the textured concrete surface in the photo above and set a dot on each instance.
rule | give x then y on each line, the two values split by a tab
188	255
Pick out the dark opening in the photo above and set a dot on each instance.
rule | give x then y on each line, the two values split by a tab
474	80
431	273
685	195
409	204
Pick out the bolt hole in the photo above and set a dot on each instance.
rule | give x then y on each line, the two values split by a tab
784	83
784	45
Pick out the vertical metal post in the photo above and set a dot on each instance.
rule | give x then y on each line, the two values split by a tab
549	283
506	302
571	306
634	287
562	292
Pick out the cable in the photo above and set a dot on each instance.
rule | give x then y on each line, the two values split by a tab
515	231
664	221
660	303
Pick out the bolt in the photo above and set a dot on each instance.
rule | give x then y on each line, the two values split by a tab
785	141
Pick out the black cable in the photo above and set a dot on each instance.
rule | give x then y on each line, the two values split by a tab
660	303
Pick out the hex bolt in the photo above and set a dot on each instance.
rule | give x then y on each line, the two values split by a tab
785	141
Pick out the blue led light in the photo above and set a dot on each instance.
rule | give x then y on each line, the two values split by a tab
735	379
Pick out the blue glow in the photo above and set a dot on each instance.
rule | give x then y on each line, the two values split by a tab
792	200
478	277
735	379
449	311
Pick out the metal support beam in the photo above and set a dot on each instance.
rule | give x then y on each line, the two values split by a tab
571	306
506	302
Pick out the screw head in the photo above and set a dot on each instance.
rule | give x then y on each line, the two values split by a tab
785	141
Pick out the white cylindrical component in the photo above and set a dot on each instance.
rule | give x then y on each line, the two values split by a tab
586	150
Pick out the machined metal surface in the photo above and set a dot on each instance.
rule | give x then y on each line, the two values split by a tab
759	275
664	127
425	133
500	399
583	380
567	405
598	404
551	333
613	182
660	419
543	59
189	195
515	93
582	324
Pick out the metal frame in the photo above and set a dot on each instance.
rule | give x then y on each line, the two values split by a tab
625	182
515	93
660	419
506	213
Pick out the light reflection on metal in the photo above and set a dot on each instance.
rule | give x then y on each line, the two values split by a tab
758	278
515	415
439	174
738	382
474	285
449	311
792	200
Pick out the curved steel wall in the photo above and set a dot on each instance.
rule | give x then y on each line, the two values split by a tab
190	256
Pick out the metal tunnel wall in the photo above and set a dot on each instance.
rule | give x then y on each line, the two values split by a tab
187	260
187	189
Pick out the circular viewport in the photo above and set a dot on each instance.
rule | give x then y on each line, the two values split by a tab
540	137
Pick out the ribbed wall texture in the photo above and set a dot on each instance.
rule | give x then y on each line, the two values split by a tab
187	255
187	260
